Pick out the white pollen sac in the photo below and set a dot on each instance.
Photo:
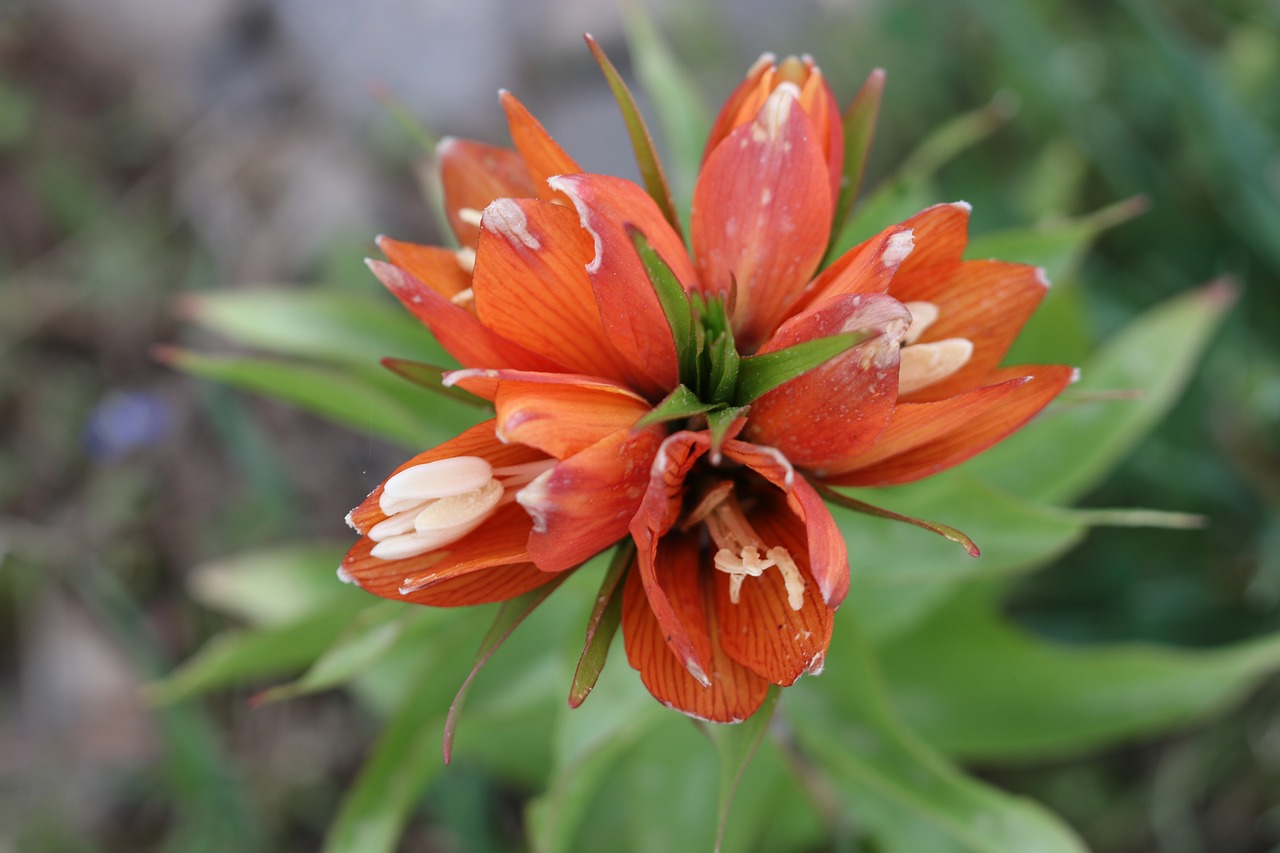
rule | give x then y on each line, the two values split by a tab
457	510
401	522
922	365
440	479
791	576
467	263
463	298
897	248
469	215
923	315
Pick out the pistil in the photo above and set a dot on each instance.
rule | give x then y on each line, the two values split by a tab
740	551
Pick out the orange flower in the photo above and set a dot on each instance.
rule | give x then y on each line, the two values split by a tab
644	393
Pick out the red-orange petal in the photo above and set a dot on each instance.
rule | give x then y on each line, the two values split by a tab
985	301
761	631
761	216
497	583
458	330
732	691
435	267
629	306
1005	416
827	552
868	267
473	174
531	287
542	156
743	102
941	233
585	503
840	407
564	419
479	440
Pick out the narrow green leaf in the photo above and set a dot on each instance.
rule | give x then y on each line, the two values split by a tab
760	374
982	689
243	655
430	377
674	302
330	391
737	746
1156	353
603	624
891	781
859	131
274	586
510	614
408	121
944	530
316	323
679	404
719	423
1097	517
655	181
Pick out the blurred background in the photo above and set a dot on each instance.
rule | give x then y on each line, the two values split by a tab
150	150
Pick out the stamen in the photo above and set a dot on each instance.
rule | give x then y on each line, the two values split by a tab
439	479
463	298
451	512
434	504
923	315
469	215
518	475
467	261
923	365
791	576
739	552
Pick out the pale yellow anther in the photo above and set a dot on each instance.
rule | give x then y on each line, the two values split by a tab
923	315
739	554
431	505
922	365
463	298
469	215
466	261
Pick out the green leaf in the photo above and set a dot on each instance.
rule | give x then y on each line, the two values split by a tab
601	626
718	424
244	655
736	746
678	405
760	374
982	689
655	181
899	574
859	131
431	378
274	586
944	530
1069	450
315	324
674	301
510	614
910	797
347	396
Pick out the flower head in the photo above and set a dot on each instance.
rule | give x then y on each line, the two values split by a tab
695	405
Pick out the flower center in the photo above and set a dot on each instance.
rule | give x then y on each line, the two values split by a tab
434	504
740	548
921	365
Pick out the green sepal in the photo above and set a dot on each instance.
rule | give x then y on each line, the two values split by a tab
679	404
944	530
859	131
719	423
760	374
602	625
717	355
655	180
430	377
672	298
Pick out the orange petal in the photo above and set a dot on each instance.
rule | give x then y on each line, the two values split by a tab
985	301
472	175
435	267
761	216
497	583
632	315
1004	416
732	692
941	233
458	331
761	631
501	540
842	406
542	156
657	513
585	503
566	418
827	552
866	268
479	440
531	287
744	102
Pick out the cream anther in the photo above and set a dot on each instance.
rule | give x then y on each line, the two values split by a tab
922	365
923	315
739	554
463	298
451	512
439	479
431	505
469	215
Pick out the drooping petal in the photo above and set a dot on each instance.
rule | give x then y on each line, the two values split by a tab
842	406
986	302
761	630
531	287
1004	416
585	503
472	175
479	440
542	156
827	553
732	692
437	268
459	331
761	215
629	307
